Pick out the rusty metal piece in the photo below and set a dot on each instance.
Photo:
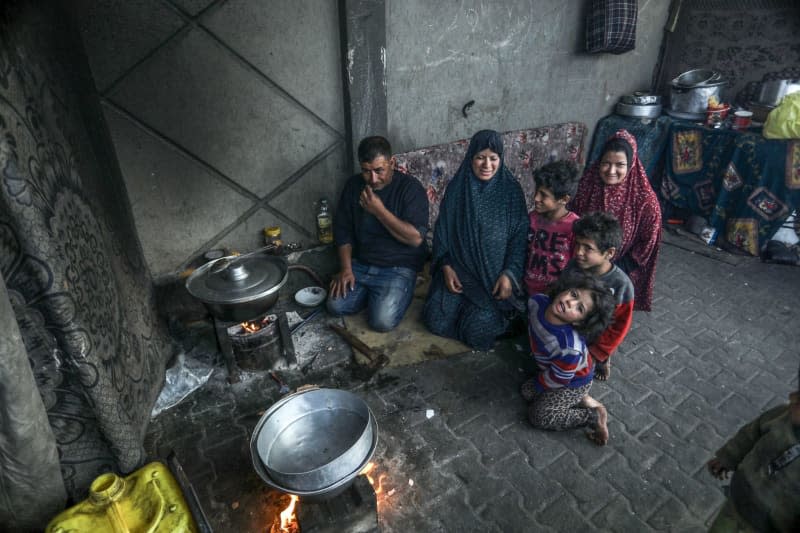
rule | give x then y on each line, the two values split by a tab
189	494
286	340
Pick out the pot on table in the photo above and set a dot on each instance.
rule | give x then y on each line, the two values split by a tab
689	92
239	288
772	92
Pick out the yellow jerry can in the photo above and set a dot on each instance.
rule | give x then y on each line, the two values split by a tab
148	500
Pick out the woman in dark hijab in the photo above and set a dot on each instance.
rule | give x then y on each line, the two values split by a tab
478	247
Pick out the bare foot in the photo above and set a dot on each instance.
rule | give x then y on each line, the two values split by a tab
602	371
600	434
589	402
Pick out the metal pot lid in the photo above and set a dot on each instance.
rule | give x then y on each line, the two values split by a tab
698	78
232	280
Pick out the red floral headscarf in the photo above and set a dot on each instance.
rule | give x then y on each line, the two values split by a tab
636	206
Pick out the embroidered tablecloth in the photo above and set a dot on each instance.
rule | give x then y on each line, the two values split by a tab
744	184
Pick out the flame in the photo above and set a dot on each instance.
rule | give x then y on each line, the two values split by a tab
377	488
288	518
252	326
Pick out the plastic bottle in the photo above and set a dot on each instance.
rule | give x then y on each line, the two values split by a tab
272	235
148	500
324	223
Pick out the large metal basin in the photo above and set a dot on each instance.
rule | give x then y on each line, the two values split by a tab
314	442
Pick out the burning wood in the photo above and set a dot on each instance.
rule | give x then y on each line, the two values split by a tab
252	326
287	522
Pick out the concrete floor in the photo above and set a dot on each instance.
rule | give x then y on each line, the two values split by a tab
719	347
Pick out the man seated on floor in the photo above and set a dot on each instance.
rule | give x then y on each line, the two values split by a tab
379	229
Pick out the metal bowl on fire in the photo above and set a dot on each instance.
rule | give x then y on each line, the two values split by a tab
239	288
314	443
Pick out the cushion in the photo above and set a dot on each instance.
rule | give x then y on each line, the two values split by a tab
525	151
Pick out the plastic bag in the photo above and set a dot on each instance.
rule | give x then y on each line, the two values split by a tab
182	378
783	122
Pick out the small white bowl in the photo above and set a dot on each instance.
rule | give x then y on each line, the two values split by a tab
310	296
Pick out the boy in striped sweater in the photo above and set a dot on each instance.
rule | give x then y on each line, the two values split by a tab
597	238
578	305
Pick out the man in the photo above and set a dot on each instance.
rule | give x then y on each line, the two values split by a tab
379	229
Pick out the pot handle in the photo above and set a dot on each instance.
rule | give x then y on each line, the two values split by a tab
307	387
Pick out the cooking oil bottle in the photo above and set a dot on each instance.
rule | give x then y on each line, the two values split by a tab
324	223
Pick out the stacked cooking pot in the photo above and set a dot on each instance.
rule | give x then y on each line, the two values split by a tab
640	104
770	95
689	93
314	443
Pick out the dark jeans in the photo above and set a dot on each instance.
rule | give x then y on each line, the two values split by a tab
386	292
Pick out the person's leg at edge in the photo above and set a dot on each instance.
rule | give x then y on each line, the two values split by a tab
728	520
390	295
355	300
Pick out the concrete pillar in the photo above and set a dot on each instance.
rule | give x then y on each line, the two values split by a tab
364	47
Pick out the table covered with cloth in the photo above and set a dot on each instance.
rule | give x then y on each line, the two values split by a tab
744	184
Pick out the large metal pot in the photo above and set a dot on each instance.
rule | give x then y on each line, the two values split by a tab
689	92
772	92
638	110
236	289
314	443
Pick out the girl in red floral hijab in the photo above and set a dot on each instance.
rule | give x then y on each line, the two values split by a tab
617	184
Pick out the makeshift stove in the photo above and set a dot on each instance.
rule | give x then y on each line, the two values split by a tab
258	344
239	292
316	444
355	511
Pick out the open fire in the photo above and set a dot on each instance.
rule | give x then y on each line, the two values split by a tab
287	521
368	471
252	326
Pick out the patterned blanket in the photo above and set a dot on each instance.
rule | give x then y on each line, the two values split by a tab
525	151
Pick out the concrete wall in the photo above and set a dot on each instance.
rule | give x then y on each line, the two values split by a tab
521	61
229	116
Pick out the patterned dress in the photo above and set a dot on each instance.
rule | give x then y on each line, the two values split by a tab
481	233
636	206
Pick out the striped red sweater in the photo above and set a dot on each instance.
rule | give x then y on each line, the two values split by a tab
560	352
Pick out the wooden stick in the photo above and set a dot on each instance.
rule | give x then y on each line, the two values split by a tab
356	343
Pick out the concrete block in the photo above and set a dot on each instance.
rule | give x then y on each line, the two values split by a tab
178	205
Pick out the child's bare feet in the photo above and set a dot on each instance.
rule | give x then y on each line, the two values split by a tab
602	370
600	434
589	402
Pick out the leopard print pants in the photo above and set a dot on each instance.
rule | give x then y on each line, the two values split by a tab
558	409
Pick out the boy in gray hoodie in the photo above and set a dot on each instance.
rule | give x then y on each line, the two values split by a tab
764	457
